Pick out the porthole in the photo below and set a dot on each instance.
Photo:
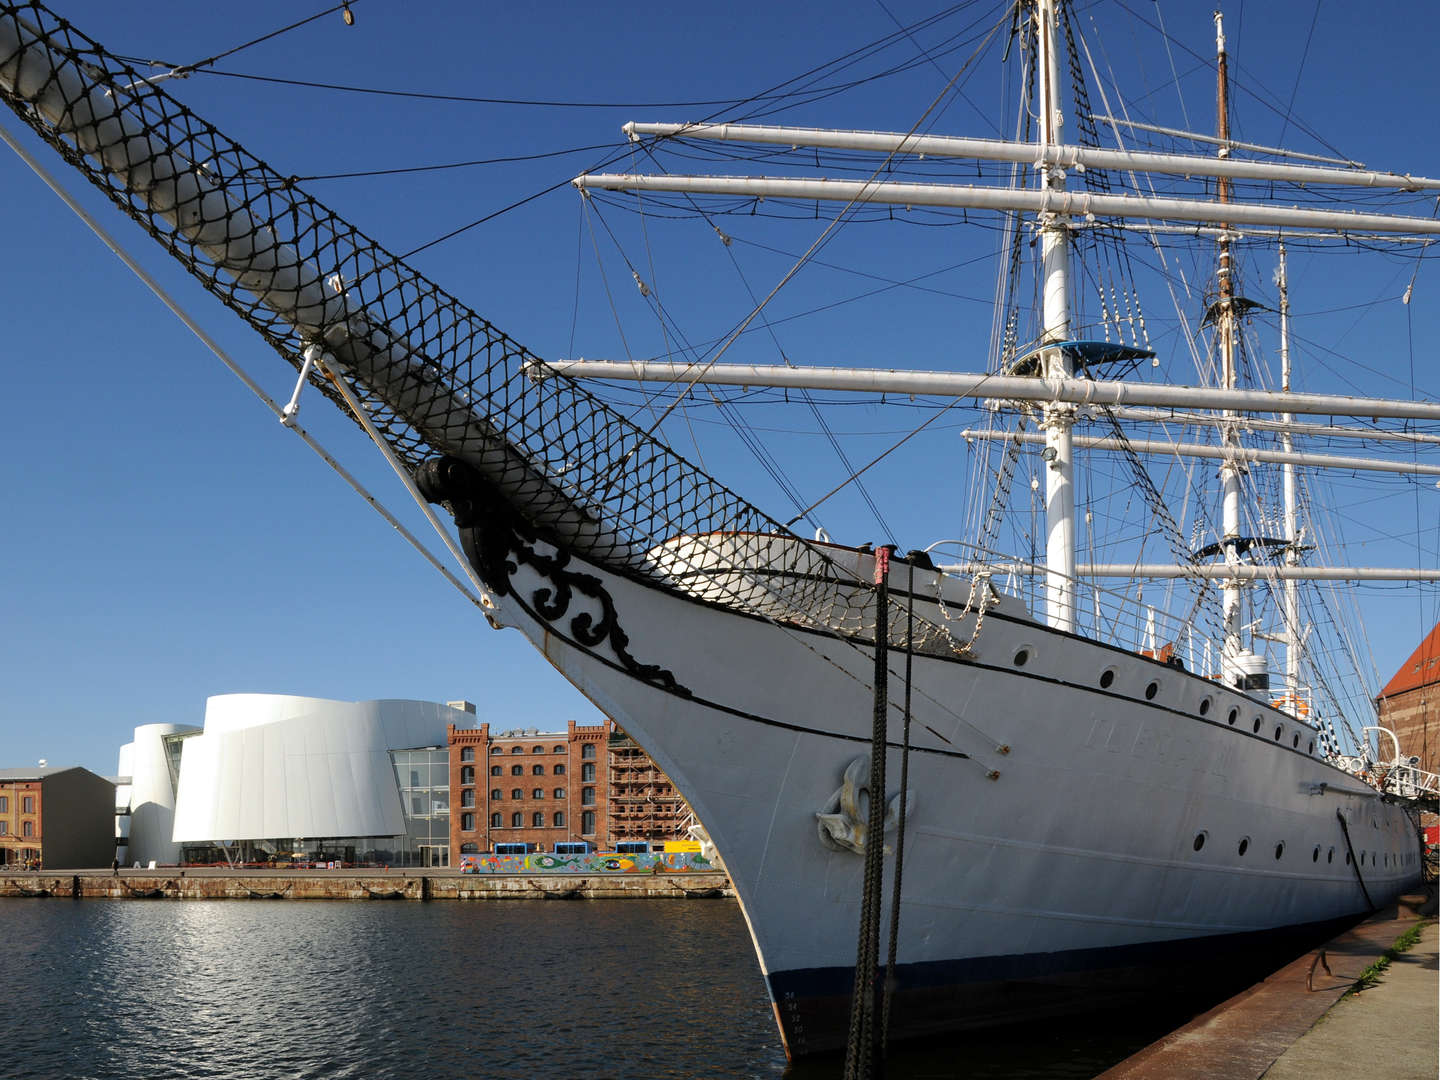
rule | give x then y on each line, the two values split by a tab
1362	858
1280	849
1244	844
1279	730
1151	691
1200	839
1256	727
1022	657
1315	855
1204	706
1311	749
1295	739
1330	856
1107	678
1347	858
1234	715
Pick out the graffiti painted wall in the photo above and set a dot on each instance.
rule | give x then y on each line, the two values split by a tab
600	862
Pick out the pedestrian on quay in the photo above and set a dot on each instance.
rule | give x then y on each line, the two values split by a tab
115	866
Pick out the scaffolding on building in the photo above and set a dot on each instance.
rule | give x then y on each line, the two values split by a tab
644	804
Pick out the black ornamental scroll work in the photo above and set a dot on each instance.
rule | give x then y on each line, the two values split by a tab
498	540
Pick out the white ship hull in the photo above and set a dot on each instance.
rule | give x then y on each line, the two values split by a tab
1078	858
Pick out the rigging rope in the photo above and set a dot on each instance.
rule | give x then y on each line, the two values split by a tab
286	417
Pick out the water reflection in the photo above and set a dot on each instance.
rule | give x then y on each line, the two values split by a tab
299	989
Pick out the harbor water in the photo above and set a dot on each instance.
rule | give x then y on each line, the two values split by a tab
103	990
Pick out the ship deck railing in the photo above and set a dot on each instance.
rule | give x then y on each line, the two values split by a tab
1108	615
1412	784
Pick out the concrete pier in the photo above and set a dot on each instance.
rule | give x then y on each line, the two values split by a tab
210	883
1300	1023
1389	1030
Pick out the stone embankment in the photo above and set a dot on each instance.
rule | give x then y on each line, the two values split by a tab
1307	1020
205	883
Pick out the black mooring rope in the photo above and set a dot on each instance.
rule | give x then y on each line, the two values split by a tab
863	1046
890	980
1354	860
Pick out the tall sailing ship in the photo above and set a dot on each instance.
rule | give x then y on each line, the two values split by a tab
1088	784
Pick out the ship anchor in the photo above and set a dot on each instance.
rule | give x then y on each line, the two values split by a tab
844	822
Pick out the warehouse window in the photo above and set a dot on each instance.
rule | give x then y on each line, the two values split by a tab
467	754
467	822
587	823
559	819
588	750
537	820
517	820
495	821
587	796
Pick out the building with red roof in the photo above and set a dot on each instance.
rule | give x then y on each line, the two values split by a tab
1409	705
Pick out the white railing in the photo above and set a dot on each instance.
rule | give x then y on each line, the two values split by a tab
1401	776
1410	782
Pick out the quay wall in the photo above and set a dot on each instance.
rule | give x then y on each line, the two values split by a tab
192	884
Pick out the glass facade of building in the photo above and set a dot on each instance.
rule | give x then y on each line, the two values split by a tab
423	777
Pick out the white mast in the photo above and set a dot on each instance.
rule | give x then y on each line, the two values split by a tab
1232	590
1294	636
1058	418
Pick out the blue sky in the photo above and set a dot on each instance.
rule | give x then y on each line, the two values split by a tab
164	539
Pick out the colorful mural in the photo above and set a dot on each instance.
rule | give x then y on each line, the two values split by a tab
597	862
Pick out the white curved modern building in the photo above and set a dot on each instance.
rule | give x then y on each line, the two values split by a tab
145	805
275	775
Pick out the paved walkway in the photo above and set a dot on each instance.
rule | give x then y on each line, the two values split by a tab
1277	1028
1388	1031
